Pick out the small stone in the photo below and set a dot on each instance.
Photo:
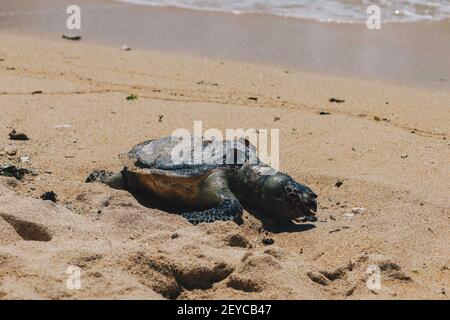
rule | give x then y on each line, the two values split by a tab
318	278
350	291
349	215
268	241
338	184
175	235
358	210
25	159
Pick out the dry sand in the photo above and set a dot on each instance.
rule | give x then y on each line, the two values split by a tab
389	145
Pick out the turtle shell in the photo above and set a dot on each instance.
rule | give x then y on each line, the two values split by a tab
175	167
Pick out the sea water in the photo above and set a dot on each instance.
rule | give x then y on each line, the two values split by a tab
323	10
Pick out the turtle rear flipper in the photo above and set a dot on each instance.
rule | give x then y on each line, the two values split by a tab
114	180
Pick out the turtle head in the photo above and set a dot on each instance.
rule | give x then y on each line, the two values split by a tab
283	196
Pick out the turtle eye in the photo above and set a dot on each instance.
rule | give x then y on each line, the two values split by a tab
299	195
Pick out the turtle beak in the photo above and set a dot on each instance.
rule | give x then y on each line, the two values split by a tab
309	206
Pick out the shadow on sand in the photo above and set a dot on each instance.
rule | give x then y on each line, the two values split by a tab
269	224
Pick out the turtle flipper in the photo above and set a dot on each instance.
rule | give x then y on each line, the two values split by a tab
227	207
114	180
228	210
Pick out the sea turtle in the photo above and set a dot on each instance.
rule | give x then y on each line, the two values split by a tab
228	173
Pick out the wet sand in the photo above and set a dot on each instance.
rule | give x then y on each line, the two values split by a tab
405	53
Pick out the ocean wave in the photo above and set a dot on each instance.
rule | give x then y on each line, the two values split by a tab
325	10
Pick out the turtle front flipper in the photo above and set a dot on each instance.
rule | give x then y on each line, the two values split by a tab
215	189
228	210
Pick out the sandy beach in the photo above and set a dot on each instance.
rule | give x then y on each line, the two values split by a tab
385	149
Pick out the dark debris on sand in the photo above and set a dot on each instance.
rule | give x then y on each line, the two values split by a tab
335	100
13	171
69	37
49	195
14	135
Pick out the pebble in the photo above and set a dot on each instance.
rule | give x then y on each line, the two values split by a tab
349	215
126	48
358	210
25	159
268	241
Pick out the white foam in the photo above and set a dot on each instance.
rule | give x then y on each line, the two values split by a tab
323	10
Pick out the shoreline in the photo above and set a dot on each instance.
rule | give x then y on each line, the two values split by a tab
406	54
266	14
